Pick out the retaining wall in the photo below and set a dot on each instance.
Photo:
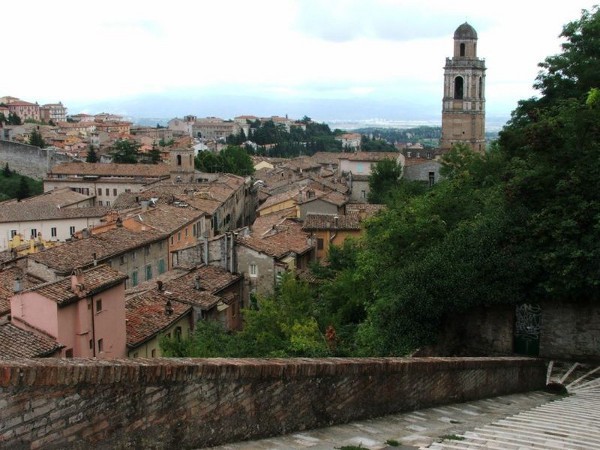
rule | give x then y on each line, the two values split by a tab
194	403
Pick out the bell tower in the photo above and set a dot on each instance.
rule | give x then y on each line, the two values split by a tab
463	108
182	164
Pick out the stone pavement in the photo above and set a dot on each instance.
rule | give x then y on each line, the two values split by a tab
534	420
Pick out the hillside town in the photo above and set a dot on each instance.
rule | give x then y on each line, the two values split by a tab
121	255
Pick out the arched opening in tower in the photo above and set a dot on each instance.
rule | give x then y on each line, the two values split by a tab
458	88
179	160
462	49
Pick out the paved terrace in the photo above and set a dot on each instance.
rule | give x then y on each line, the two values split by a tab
534	420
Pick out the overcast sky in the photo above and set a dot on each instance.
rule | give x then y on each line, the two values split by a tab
330	59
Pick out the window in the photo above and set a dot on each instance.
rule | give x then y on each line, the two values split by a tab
179	236
431	178
69	353
128	190
179	160
147	250
100	345
115	192
99	202
33	233
107	191
134	278
462	49
161	266
71	231
153	353
178	333
363	194
13	233
148	272
186	232
133	255
458	88
172	240
195	230
107	203
99	192
99	305
319	244
253	270
91	344
135	355
122	259
53	231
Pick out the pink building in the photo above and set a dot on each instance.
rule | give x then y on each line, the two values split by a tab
25	110
84	312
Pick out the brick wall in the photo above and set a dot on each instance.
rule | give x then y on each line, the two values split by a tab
191	403
29	160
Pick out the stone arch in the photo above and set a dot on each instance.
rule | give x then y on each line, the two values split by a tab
458	88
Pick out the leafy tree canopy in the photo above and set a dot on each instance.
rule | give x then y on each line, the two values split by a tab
125	151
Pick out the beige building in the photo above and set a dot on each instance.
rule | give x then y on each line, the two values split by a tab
54	112
463	111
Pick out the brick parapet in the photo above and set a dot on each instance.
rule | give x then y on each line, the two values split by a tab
190	403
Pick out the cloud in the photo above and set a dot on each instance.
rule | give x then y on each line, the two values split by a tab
348	20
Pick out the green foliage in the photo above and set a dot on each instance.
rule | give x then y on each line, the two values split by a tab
23	191
35	138
383	180
125	151
375	145
92	156
12	186
155	155
14	119
232	159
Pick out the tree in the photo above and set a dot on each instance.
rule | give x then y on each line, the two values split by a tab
92	156
125	151
23	191
6	171
14	119
236	160
155	155
384	178
35	138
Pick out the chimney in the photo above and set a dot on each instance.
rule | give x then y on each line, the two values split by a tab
18	287
77	281
94	258
159	285
197	284
335	221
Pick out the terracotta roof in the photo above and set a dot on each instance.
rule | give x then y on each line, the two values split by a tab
168	218
331	222
80	253
24	212
212	278
95	280
145	315
369	156
58	197
333	197
286	238
18	343
265	223
112	170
